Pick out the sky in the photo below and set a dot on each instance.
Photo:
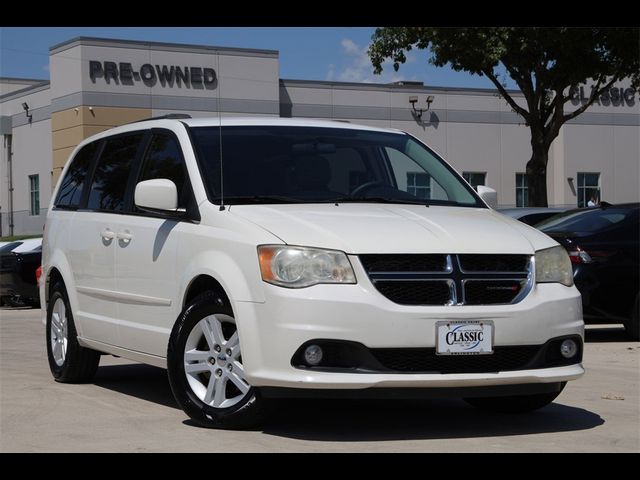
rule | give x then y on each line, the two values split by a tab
307	53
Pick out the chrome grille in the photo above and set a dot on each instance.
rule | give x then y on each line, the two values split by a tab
437	279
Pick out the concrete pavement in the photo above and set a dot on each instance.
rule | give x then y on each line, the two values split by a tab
129	408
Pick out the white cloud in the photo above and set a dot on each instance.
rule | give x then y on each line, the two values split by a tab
45	67
331	73
350	46
356	66
411	57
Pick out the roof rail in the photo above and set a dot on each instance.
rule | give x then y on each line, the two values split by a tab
168	116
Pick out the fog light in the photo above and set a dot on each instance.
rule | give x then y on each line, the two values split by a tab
313	355
568	348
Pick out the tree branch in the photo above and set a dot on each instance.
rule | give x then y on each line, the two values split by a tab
551	131
490	75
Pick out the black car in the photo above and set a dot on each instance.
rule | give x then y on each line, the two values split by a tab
603	245
18	285
531	215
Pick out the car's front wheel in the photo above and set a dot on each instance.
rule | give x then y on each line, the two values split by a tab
516	403
205	367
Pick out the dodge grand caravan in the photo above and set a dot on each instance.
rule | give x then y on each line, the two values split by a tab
264	257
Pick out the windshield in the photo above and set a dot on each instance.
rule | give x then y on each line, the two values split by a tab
588	221
283	164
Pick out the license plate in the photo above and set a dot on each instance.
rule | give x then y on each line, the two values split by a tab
464	338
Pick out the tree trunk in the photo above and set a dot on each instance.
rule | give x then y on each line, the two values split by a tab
537	173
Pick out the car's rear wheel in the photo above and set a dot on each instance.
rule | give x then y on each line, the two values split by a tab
516	403
632	325
68	360
205	367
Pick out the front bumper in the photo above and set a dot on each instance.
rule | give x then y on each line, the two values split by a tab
271	333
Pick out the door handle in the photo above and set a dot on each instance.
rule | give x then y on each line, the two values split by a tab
108	234
125	236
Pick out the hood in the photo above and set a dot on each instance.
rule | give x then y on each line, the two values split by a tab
383	228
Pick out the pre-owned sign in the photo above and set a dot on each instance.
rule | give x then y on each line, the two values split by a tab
168	75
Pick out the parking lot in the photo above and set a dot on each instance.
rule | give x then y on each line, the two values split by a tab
129	407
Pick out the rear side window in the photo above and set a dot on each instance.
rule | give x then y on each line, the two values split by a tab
112	173
164	160
71	188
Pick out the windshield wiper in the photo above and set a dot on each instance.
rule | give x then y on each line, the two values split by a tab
248	199
377	200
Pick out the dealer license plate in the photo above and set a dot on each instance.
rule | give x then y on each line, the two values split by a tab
464	338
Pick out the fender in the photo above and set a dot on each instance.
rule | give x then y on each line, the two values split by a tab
242	283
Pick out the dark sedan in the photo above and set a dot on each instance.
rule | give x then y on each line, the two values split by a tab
603	245
18	285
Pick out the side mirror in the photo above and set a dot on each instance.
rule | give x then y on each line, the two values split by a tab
489	195
158	195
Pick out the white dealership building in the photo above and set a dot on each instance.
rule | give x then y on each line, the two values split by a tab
96	84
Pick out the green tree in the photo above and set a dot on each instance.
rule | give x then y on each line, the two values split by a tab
546	63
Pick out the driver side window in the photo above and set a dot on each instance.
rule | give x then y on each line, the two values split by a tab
412	178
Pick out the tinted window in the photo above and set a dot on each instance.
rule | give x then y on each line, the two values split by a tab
586	220
70	192
280	164
164	160
112	172
9	246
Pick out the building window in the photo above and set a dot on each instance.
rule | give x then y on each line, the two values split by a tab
419	184
34	190
522	190
588	189
475	178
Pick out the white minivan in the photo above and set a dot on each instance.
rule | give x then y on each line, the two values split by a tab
266	257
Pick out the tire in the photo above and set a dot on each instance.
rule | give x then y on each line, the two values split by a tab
514	404
230	402
69	362
632	325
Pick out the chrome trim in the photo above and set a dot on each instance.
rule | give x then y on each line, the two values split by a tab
531	281
458	298
449	265
453	294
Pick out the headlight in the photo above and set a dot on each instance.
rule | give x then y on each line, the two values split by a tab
298	267
553	265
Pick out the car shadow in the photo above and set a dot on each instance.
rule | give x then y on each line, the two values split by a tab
137	380
364	420
605	334
375	420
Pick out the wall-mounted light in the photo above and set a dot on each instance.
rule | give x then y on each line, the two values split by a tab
419	111
25	106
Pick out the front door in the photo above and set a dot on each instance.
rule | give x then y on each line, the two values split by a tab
146	254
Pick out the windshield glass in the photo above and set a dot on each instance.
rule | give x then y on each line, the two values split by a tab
585	220
283	164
